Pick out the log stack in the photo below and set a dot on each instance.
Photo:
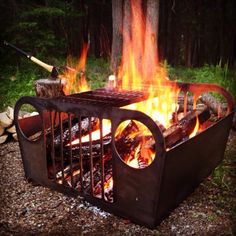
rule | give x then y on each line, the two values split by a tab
7	125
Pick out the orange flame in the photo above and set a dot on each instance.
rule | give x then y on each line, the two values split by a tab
95	135
108	184
196	128
75	79
140	70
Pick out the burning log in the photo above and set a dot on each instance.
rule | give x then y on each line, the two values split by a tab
138	151
66	175
75	130
85	149
97	179
185	126
132	146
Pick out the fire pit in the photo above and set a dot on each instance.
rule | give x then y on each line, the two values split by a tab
119	159
136	148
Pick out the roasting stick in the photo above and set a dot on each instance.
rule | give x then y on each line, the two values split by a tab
54	71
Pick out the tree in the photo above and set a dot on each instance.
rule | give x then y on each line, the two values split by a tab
123	14
117	26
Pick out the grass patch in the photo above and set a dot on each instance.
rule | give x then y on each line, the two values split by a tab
219	74
17	80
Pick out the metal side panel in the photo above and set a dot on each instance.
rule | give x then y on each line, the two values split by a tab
189	163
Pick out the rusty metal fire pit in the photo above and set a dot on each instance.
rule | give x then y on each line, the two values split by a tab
144	195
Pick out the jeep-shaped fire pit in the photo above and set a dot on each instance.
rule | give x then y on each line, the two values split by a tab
97	145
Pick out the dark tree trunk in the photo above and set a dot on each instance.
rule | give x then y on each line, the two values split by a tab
117	17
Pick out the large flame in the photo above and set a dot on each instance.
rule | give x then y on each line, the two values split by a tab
140	70
75	79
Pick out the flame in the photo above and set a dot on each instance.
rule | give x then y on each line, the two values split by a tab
140	70
95	135
196	128
75	79
108	184
140	154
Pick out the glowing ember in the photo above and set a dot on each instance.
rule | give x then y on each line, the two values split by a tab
108	185
95	135
75	80
132	143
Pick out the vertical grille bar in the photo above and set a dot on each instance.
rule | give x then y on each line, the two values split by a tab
185	103
70	156
61	148
194	101
52	144
80	155
91	157
102	158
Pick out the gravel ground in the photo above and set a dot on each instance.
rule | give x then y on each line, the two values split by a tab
26	209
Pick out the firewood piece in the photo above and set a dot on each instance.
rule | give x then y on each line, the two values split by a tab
10	112
5	121
3	138
12	129
215	106
15	136
34	113
1	130
49	88
75	130
85	148
185	126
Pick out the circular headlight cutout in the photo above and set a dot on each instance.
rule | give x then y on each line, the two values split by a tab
30	122
135	144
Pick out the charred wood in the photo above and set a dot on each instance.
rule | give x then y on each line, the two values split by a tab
185	126
75	131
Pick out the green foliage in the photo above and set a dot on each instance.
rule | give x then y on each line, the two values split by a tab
14	84
219	74
17	81
97	71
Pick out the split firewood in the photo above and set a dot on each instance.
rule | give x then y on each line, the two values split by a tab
85	149
173	134
1	130
12	129
75	130
10	112
185	126
15	136
3	138
49	88
34	113
97	176
5	121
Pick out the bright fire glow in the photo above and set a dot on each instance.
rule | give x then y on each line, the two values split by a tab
95	135
196	128
108	184
75	79
140	70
